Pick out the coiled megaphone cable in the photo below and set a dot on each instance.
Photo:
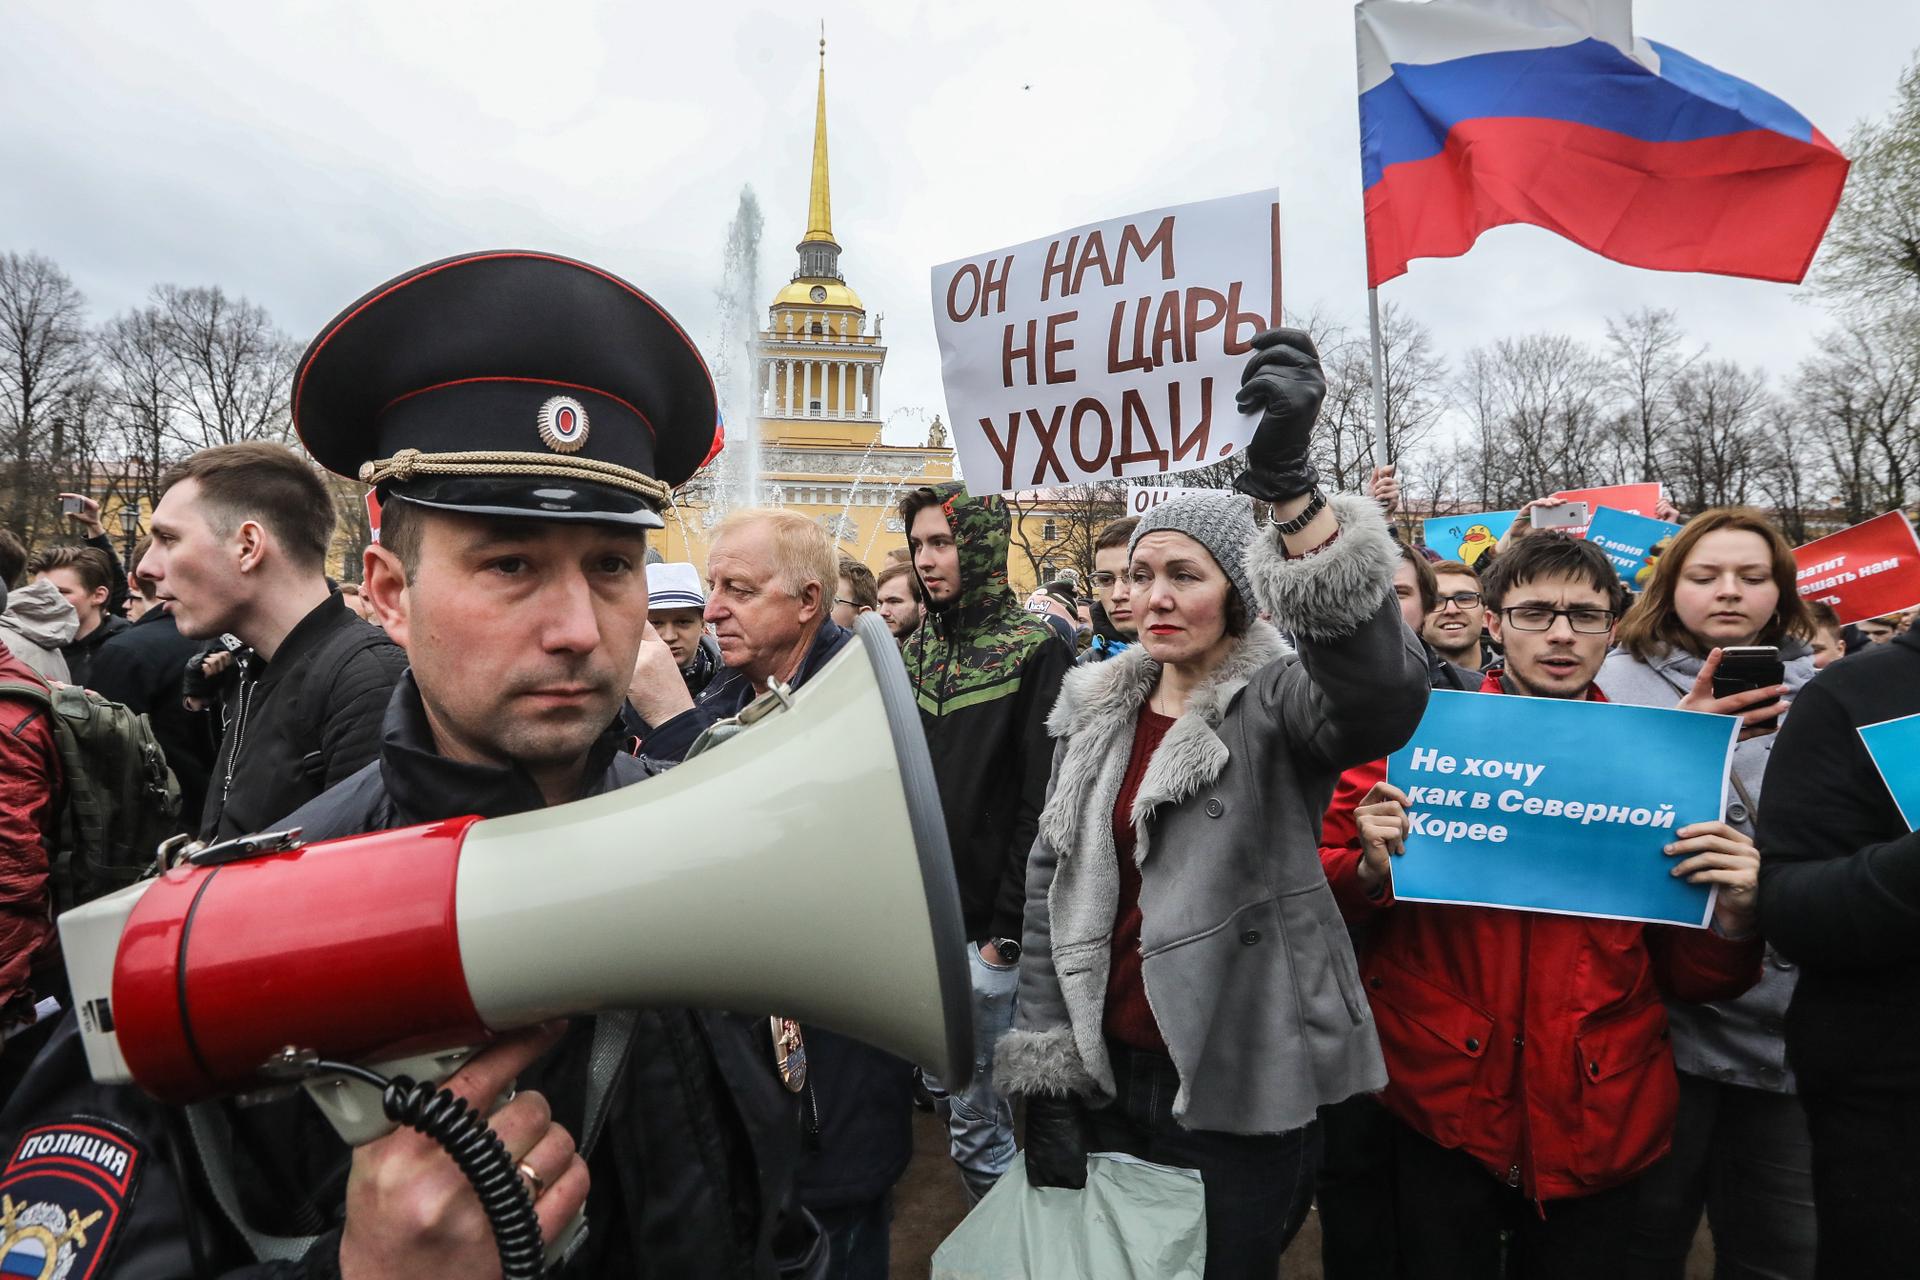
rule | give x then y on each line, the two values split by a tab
463	1133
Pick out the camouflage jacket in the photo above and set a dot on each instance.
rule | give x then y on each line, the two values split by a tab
985	673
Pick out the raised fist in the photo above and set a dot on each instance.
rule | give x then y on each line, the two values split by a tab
1284	382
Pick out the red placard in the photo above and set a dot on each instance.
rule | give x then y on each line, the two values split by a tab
1868	571
373	515
1635	499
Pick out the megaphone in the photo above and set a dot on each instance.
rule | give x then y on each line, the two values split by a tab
801	868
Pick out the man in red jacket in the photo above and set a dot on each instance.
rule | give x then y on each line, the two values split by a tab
1531	1081
29	947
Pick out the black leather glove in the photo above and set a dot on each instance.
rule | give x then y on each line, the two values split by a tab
1056	1143
1283	378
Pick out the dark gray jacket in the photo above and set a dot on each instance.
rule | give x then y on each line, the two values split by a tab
1247	966
1739	1041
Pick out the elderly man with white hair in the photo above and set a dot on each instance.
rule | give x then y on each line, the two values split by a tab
771	577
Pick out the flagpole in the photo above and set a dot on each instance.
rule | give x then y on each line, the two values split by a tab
1379	381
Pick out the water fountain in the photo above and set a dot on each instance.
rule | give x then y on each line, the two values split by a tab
736	480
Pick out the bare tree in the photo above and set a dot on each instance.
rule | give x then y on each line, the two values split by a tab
1713	455
1536	406
136	368
1647	354
230	371
1789	475
43	359
1861	398
1073	514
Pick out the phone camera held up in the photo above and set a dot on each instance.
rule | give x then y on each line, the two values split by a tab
1745	667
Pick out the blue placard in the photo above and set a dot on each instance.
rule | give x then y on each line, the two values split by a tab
1467	537
1895	748
1633	543
1542	804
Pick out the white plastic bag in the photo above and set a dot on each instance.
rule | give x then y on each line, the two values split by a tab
1134	1220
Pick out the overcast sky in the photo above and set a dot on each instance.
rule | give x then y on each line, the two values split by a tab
302	151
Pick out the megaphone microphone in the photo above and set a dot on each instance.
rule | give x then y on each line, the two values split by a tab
801	867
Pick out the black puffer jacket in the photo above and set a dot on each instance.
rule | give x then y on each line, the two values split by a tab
299	724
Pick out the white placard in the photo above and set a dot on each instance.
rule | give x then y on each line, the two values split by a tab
1142	498
1110	350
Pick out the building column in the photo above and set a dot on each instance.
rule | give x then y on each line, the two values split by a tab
789	406
874	411
843	389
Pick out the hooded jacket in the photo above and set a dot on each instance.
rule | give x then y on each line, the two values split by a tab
985	673
36	625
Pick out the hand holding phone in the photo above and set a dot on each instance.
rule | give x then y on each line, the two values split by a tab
1560	515
1745	681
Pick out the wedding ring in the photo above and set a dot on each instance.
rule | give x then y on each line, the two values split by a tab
535	1183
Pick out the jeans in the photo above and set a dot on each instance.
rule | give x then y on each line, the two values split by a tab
1452	1213
857	1238
1866	1182
1354	1190
1258	1186
979	1120
1744	1156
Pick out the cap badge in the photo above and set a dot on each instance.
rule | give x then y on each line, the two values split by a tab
563	424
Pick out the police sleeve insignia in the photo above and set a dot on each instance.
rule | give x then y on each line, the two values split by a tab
62	1195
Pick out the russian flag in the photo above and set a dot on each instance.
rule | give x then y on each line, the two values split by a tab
1479	113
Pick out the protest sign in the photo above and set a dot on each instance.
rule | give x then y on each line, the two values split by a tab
373	516
1868	571
1542	804
1895	748
1110	350
1633	543
1468	537
1634	499
1142	498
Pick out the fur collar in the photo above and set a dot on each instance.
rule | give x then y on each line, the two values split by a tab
1096	713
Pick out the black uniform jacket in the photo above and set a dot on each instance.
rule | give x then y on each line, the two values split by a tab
693	1175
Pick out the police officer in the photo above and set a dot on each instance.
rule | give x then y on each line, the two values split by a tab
523	418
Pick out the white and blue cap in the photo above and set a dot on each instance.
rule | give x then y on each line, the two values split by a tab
674	586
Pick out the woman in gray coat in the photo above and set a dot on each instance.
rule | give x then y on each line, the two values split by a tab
1740	1145
1187	991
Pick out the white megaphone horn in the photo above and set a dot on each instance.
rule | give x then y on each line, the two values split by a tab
799	868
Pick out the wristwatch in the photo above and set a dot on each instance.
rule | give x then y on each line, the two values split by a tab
1009	949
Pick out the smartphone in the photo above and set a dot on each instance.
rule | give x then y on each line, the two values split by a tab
1745	667
69	506
1568	515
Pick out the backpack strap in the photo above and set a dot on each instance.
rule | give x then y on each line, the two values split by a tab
213	1141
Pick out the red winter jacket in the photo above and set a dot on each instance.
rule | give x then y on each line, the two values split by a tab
29	781
1535	1043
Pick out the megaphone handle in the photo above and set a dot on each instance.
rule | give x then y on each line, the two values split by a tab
479	1154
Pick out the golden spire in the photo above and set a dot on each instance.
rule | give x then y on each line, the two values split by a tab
820	200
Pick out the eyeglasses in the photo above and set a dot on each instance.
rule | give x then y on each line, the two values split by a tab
1105	579
851	604
1461	600
1534	617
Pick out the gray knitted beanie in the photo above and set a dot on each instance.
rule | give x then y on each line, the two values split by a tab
1220	522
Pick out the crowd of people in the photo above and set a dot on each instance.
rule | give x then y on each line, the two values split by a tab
1166	799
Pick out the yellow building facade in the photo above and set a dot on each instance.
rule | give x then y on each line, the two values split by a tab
818	368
